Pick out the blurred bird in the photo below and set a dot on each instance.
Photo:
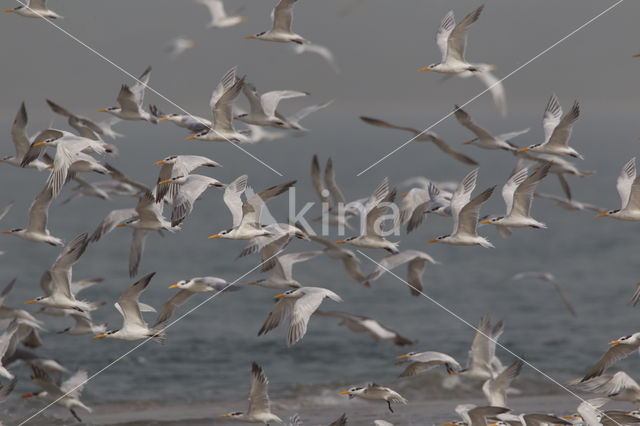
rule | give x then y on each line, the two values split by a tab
219	18
259	405
359	324
282	16
373	392
130	100
34	9
297	304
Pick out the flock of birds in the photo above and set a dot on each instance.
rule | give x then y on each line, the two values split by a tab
65	155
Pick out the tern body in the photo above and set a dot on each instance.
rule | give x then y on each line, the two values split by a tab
34	9
374	392
282	17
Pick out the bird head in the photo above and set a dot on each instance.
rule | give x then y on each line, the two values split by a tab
221	234
11	231
105	334
232	415
179	284
608	213
435	240
36	300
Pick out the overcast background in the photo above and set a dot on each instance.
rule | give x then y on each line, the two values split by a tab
379	46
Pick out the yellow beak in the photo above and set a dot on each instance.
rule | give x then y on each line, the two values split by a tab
485	222
30	302
402	356
425	69
214	236
163	118
158	162
189	138
344	393
102	110
162	182
433	241
340	242
614	342
250	37
523	150
602	214
279	296
174	286
99	336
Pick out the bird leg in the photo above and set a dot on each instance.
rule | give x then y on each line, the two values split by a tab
75	415
389	404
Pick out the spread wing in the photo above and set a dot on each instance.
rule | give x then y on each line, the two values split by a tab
18	135
258	396
523	195
330	181
465	119
170	306
613	355
468	217
551	117
39	211
127	303
458	37
270	100
442	36
316	180
562	132
282	15
509	188
625	182
233	198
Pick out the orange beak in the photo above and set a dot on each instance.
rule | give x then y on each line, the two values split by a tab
467	143
8	10
30	302
174	286
614	342
250	37
100	336
523	150
102	110
634	56
251	283
163	118
404	194
402	356
38	143
433	241
121	225
189	138
5	232
162	182
602	214
26	395
344	393
214	236
158	162
425	69
485	222
225	415
340	242
279	296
